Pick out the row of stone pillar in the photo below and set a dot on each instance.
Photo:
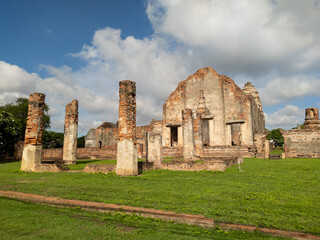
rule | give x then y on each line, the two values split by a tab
31	156
127	159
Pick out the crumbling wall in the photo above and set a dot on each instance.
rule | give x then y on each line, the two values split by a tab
262	145
301	143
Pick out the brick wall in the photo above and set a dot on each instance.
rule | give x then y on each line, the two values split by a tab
229	151
301	143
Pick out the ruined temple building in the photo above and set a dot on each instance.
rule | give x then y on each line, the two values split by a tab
208	114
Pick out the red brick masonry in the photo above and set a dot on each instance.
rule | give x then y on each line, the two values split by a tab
147	212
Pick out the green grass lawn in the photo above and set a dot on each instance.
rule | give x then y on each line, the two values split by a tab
20	220
283	194
83	162
277	151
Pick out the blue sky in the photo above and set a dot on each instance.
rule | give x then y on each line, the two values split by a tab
81	49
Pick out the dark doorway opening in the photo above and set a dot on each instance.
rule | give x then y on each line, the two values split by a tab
236	134
174	136
205	132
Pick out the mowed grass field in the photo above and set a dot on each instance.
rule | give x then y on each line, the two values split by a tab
19	220
282	194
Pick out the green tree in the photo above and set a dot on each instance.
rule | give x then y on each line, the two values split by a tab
276	135
9	133
81	142
19	111
51	139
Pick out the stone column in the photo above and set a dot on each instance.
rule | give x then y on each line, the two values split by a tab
70	133
154	149
187	131
31	155
127	160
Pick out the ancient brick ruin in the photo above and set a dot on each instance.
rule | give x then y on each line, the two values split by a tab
207	116
31	156
127	160
304	142
70	133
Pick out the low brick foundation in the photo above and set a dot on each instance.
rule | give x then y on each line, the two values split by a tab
207	164
95	168
230	151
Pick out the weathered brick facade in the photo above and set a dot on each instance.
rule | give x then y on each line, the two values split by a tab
222	114
70	133
31	155
127	161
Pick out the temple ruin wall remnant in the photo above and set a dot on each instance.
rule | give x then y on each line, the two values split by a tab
127	161
70	133
31	155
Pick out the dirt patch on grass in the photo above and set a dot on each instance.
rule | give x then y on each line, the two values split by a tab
29	181
124	228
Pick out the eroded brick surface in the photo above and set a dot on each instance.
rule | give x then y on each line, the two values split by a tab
34	127
127	110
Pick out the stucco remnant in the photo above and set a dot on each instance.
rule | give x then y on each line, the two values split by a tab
70	133
31	155
154	149
127	161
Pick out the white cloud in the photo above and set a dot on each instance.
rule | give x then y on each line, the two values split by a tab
287	117
282	89
149	62
250	37
15	81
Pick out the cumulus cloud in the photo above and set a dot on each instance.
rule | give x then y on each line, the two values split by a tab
149	62
286	117
250	37
289	87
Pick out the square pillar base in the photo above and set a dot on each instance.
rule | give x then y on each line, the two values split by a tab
31	156
127	159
